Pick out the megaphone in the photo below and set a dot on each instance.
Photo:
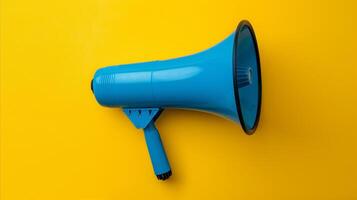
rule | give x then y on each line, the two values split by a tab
224	80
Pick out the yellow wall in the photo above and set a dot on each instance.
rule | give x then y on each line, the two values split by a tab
58	143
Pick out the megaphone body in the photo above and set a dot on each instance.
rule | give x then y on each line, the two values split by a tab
224	80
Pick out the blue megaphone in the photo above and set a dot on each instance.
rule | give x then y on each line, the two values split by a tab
223	80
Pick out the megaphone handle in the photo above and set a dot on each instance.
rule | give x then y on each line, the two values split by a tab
157	153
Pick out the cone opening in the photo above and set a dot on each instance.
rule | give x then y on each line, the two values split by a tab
248	96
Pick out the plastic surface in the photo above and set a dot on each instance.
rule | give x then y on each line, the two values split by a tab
156	150
214	80
145	118
203	81
141	117
247	69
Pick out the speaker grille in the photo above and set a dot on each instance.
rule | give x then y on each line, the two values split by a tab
247	77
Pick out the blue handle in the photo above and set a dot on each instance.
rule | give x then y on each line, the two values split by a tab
157	153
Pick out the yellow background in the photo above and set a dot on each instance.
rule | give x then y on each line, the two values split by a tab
58	143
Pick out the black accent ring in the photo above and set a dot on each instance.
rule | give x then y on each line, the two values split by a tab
245	23
164	176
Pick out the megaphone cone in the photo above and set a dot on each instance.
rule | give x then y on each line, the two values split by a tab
223	80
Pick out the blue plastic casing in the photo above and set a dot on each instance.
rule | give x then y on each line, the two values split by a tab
223	80
202	81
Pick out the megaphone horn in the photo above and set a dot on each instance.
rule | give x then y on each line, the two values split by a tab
223	80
